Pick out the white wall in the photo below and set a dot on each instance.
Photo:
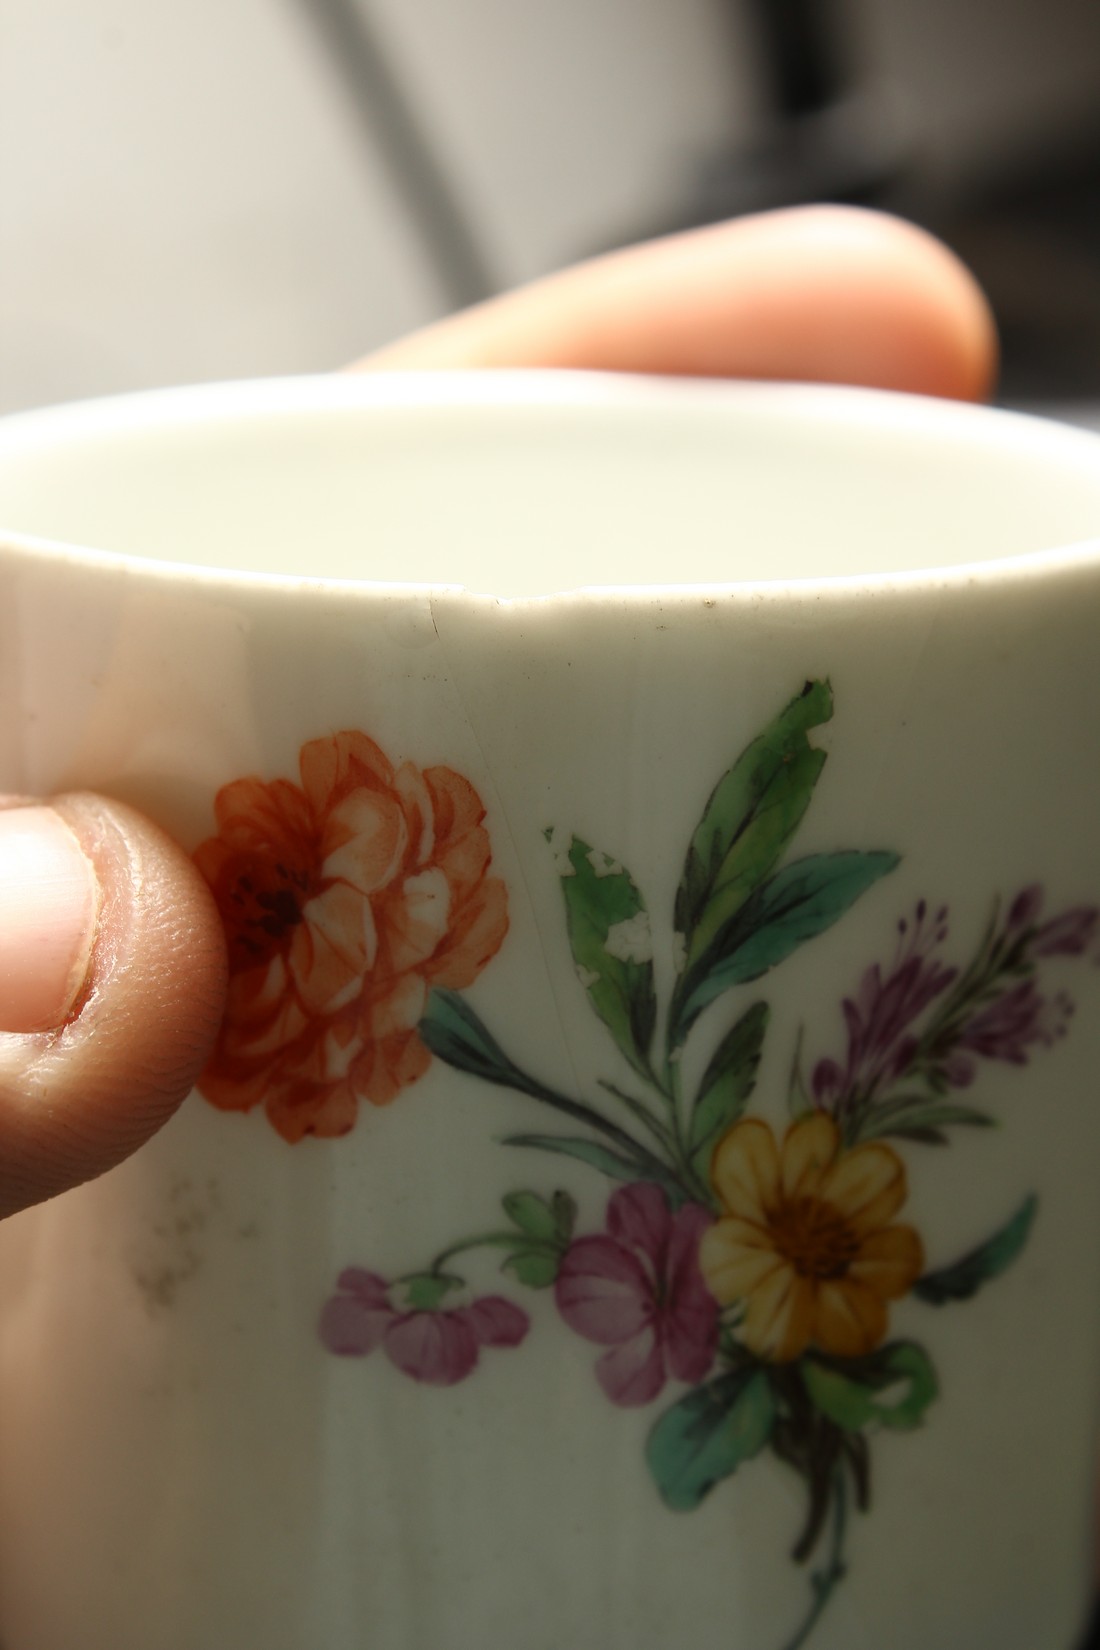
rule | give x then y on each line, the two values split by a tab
186	191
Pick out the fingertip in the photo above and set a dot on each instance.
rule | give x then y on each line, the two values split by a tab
825	294
77	1099
938	335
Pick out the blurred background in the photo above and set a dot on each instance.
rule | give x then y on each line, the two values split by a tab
196	189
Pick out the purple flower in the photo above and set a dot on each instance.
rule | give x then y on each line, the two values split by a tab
1012	1023
1070	934
880	1018
436	1345
638	1290
1024	910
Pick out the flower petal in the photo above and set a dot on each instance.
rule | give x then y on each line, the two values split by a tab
1070	934
736	1256
889	1262
262	1016
779	1319
364	841
416	920
689	1321
233	1088
331	949
438	1348
353	1324
475	936
634	1372
327	1110
368	1287
866	1186
849	1319
809	1147
496	1321
745	1170
394	1008
603	1292
343	762
638	1216
266	821
416	805
457	811
387	1065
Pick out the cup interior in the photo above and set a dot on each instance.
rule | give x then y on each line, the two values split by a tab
528	484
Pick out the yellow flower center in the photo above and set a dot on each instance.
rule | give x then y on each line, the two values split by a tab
813	1237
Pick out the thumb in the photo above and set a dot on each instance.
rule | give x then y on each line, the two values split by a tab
112	984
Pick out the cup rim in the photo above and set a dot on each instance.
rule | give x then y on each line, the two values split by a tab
523	391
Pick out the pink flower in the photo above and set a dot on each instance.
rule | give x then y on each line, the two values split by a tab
639	1291
439	1346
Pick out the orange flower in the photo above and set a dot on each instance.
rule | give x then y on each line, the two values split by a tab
344	900
805	1241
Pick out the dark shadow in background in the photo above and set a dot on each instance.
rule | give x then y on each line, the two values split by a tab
1031	235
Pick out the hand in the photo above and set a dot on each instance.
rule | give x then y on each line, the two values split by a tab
112	967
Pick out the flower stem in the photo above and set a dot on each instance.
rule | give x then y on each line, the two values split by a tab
595	1120
641	1111
486	1240
825	1581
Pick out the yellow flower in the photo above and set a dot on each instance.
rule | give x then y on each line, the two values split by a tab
805	1240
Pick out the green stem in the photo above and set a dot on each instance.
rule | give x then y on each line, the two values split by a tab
487	1240
826	1581
588	1114
641	1111
672	1090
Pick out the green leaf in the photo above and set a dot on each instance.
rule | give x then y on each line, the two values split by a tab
962	1280
453	1032
426	1290
921	1119
727	1084
799	1103
598	1157
532	1214
612	948
706	1436
537	1268
800	902
891	1388
750	817
565	1215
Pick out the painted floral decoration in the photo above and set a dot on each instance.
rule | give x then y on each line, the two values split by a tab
638	1290
424	1338
751	1265
803	1239
345	899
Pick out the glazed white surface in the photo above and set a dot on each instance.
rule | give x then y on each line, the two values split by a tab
519	484
181	1463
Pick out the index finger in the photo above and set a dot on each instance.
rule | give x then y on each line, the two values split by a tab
826	294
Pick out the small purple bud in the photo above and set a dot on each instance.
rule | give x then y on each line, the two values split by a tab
1070	934
1025	908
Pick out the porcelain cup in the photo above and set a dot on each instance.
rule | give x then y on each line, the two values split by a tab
644	1193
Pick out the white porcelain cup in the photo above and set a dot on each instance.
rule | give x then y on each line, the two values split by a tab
645	1192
